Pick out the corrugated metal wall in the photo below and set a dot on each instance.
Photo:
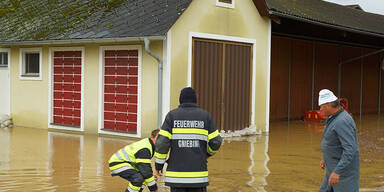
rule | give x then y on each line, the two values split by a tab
299	66
300	78
280	59
382	82
371	70
326	69
222	79
350	78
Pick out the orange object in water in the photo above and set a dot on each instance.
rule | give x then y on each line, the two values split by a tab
313	115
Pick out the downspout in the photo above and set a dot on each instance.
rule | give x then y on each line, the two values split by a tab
159	81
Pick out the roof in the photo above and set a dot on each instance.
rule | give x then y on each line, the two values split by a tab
41	20
326	13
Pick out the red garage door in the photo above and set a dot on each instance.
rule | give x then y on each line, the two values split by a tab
67	88
121	90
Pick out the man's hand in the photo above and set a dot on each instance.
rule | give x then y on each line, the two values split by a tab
322	164
159	173
333	179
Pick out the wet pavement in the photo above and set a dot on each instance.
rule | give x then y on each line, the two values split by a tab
285	160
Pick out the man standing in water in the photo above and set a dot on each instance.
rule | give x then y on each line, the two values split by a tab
339	146
190	135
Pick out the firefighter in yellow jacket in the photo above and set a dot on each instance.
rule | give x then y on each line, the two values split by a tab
133	163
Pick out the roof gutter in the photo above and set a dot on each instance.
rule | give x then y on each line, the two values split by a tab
276	13
78	41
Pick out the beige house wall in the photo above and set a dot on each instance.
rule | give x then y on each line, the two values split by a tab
30	100
244	21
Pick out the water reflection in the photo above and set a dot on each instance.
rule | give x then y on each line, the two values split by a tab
27	166
4	143
285	160
66	160
240	165
106	147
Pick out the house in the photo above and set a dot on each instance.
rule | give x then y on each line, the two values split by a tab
108	67
117	67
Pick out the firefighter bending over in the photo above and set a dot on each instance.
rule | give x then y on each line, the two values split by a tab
133	163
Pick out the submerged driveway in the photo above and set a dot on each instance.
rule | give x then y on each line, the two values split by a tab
285	160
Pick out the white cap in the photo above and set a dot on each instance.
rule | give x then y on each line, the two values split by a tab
326	96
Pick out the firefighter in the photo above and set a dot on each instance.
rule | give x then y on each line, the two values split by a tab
133	163
191	136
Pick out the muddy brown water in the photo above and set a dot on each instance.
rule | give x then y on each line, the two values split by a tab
285	160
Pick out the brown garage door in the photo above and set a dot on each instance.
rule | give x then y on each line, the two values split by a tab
222	79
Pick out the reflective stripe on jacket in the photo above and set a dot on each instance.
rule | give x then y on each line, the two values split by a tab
127	154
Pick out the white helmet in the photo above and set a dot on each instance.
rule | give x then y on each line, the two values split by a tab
326	96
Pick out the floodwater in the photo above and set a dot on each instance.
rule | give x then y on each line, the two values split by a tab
285	160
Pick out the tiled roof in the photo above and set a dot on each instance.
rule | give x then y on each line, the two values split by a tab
40	20
330	14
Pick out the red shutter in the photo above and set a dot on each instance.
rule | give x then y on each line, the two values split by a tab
67	88
120	90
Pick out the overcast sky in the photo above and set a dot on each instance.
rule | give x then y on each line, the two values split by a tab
373	6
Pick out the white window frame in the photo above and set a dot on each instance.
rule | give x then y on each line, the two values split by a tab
226	5
50	89
101	90
226	38
22	63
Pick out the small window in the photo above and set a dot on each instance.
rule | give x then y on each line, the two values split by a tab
226	3
3	59
30	66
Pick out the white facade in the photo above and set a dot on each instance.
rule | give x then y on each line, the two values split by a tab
5	90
